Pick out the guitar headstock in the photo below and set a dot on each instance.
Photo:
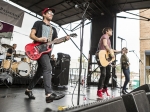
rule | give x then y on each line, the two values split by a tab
73	35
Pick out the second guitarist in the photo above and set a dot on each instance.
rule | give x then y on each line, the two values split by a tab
43	32
104	44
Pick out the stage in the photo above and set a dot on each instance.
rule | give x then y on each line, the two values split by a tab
13	99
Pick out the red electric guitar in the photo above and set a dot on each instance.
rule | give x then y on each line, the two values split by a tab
35	50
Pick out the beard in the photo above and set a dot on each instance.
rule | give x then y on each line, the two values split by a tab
49	19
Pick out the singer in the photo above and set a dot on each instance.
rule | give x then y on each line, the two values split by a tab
125	67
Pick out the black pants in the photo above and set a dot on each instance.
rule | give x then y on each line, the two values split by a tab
104	75
126	73
44	69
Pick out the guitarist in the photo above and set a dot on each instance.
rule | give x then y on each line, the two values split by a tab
104	44
41	32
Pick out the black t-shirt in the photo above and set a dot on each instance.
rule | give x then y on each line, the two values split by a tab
10	51
43	30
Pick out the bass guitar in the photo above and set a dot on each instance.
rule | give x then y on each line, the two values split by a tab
105	57
35	50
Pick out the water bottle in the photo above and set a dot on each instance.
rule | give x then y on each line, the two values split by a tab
113	94
84	99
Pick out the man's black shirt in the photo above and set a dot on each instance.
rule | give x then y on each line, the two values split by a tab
10	51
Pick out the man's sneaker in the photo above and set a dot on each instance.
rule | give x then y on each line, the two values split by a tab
30	94
53	96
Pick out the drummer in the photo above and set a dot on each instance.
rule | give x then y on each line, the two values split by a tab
10	52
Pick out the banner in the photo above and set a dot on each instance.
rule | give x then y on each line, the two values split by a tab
6	30
11	14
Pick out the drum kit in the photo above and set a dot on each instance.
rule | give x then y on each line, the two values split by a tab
25	67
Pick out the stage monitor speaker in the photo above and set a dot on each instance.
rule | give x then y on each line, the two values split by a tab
110	105
145	87
148	96
61	75
136	102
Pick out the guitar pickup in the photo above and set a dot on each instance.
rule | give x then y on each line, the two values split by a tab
41	48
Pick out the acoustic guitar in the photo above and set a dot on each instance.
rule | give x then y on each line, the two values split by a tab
105	57
35	50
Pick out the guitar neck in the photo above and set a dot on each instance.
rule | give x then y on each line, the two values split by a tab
57	41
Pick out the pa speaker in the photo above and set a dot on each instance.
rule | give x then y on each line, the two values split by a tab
145	87
111	105
148	96
136	102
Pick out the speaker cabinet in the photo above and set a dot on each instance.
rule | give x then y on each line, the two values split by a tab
136	102
145	87
111	105
61	75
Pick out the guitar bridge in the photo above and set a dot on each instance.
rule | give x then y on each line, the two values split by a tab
42	47
109	58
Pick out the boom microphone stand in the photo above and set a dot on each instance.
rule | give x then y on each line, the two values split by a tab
121	67
81	46
139	64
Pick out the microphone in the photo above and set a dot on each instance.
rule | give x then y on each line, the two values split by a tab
80	5
121	38
131	51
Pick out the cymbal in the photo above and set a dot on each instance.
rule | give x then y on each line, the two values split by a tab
6	46
20	51
18	55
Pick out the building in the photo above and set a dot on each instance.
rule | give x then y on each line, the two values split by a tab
145	48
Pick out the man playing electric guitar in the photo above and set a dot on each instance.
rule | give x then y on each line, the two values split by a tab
104	44
43	32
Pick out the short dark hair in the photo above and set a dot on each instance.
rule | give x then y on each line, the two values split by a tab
124	48
14	44
106	29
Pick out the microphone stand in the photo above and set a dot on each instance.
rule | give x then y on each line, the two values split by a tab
81	46
139	64
61	72
126	43
121	68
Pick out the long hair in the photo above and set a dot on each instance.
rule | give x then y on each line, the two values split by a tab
124	48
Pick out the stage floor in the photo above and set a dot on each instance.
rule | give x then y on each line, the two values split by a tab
13	99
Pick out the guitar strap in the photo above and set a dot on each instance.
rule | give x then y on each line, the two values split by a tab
97	51
50	34
97	47
50	39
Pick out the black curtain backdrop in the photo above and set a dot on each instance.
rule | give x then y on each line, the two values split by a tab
98	23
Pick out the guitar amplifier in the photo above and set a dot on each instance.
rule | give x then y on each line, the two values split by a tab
63	56
61	75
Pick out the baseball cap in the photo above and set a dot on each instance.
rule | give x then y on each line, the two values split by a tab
46	9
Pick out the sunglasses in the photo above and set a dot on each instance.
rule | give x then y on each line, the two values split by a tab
51	13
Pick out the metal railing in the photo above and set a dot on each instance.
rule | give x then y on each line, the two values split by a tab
74	75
